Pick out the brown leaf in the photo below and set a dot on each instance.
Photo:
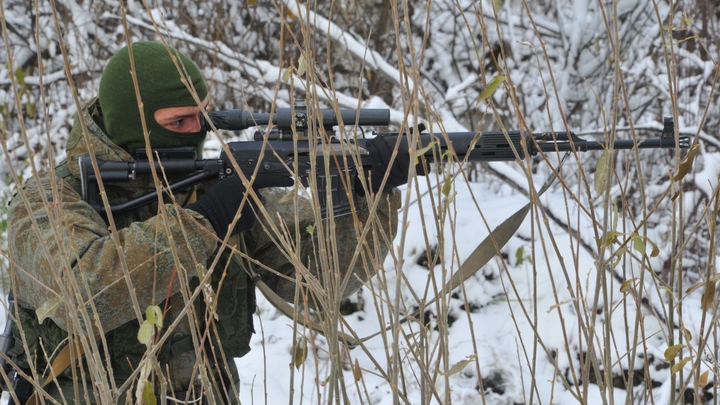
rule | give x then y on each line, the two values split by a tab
655	249
626	285
703	379
289	13
708	297
686	164
357	373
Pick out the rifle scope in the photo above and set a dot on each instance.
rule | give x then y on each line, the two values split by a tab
285	118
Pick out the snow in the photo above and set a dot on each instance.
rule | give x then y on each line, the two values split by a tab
522	323
521	307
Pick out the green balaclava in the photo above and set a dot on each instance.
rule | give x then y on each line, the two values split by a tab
160	87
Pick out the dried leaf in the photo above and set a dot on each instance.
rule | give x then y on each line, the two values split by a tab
687	334
146	333
20	76
708	297
694	287
673	351
626	285
679	365
420	152
668	290
48	309
302	65
290	196
702	383
616	215
460	365
30	109
447	155
496	5
148	394
526	43
612	236
638	243
357	372
301	352
286	75
559	304
713	279
601	172
289	13
325	381
655	249
447	185
491	87
686	164
618	256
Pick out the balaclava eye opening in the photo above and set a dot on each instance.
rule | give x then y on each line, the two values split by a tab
160	86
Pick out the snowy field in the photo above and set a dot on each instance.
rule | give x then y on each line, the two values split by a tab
519	316
557	317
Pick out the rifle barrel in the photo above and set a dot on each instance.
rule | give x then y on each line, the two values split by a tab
563	144
494	146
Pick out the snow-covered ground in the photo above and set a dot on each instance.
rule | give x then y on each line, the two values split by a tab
531	311
521	316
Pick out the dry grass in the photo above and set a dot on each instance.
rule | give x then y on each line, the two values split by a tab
612	324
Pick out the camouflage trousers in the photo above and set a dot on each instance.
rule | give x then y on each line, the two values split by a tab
64	392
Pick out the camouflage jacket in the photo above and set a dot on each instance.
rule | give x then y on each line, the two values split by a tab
63	252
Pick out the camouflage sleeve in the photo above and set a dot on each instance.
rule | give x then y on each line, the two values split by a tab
335	257
83	240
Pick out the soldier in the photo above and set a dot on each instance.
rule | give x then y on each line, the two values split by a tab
63	251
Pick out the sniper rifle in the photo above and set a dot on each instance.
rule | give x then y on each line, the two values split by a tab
292	142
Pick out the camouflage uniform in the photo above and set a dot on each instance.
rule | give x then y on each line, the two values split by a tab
87	242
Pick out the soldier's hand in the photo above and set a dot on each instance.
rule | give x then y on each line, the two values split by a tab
380	149
221	202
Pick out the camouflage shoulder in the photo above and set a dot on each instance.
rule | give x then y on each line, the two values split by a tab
47	184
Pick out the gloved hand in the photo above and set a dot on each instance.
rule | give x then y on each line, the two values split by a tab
221	202
381	149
